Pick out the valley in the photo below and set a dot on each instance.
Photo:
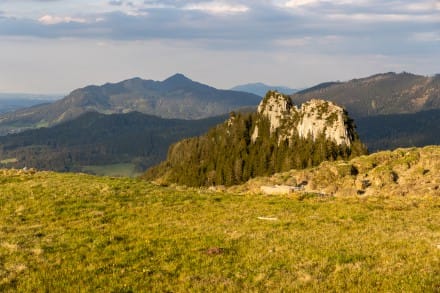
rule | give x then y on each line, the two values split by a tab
136	139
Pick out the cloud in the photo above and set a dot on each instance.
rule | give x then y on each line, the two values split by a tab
298	3
217	7
305	25
51	19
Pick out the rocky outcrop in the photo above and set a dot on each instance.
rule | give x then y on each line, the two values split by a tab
314	118
319	116
402	172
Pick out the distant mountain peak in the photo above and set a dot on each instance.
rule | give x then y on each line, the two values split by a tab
178	77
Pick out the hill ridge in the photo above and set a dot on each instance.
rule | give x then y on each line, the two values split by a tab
175	97
384	93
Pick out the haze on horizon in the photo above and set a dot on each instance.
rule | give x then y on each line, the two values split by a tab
54	46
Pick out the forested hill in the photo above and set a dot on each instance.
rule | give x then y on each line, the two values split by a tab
175	97
262	143
98	139
388	132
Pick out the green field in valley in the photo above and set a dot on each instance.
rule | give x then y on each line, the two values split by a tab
117	170
81	233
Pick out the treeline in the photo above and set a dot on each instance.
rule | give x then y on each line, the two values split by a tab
226	155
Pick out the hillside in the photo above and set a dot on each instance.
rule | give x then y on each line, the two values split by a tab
278	137
392	131
63	232
175	97
380	94
97	139
261	89
402	172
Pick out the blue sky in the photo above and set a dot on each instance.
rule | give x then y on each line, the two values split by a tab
54	46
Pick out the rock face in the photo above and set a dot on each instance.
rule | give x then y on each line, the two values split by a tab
314	118
318	116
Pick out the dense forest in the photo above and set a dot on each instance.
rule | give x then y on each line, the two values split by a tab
226	155
387	132
98	139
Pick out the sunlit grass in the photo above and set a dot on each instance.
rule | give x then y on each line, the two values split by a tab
73	232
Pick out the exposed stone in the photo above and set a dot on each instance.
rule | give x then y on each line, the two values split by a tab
314	118
319	116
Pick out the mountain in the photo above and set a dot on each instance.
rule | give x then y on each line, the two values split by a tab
261	89
380	94
175	97
278	137
97	139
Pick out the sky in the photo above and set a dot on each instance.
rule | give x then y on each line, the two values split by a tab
55	46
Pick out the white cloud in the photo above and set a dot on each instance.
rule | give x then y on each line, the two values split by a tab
217	7
297	3
51	19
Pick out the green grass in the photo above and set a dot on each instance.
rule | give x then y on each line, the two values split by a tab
80	233
118	170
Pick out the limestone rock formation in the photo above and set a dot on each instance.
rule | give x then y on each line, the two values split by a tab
314	118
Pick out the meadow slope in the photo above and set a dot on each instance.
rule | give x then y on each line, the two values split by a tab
401	172
75	232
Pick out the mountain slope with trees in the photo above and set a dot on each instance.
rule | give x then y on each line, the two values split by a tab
380	94
388	132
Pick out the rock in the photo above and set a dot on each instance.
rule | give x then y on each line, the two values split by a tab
314	118
319	116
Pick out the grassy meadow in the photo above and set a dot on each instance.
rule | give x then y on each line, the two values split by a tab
81	233
114	170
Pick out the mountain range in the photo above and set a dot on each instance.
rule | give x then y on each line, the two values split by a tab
261	89
175	97
390	111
